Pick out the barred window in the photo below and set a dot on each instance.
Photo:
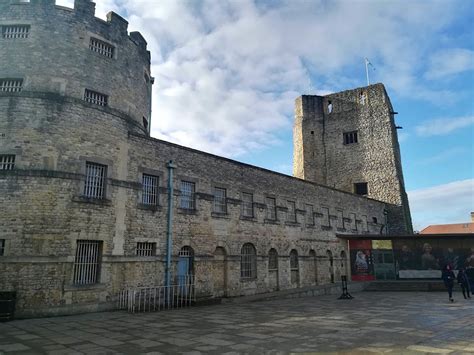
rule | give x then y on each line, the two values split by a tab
98	46
271	208
94	186
309	215
11	85
187	195
15	31
247	204
220	205
150	189
95	98
350	137
291	213
2	247
248	262
293	260
87	262
272	260
146	249
7	162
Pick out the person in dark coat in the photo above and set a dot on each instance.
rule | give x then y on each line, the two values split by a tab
463	281
448	278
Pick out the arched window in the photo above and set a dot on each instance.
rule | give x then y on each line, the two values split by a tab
294	268
272	260
248	262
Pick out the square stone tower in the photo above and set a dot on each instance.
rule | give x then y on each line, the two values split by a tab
348	140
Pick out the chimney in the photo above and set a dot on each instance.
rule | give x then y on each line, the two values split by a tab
472	217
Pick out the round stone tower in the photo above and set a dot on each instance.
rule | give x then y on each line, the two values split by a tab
72	89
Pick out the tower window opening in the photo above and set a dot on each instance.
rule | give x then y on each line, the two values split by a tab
312	132
362	98
15	31
360	188
350	137
11	85
329	106
95	98
98	46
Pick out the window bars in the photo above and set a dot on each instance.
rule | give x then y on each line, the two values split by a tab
350	137
248	262
146	249
95	98
15	31
150	189
271	208
11	85
247	204
94	186
7	162
98	46
291	214
220	200
187	195
272	260
87	262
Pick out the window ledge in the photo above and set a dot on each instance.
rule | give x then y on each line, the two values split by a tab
326	228
187	211
153	208
248	279
95	201
311	225
271	221
97	286
292	224
248	218
220	215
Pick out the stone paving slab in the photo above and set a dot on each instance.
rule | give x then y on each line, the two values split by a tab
371	323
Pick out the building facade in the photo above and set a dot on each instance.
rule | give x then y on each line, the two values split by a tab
84	188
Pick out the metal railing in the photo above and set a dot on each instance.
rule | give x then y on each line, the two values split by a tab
158	298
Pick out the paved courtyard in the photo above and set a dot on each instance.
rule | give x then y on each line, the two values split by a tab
373	322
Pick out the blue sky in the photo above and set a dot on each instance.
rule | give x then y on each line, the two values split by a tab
227	74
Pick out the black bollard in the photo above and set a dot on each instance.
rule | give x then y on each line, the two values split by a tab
345	294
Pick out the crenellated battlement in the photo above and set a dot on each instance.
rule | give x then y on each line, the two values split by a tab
76	55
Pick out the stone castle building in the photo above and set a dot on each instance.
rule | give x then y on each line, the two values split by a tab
84	188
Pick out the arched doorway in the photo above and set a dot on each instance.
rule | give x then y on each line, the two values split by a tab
273	270
331	265
185	265
294	269
220	272
313	267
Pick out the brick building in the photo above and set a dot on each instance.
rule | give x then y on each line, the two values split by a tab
84	188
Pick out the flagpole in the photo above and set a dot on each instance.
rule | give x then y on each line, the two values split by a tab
367	71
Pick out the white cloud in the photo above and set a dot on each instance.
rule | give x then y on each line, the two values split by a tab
444	156
443	126
450	62
442	204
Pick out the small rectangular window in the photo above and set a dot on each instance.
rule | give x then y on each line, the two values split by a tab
95	98
271	208
94	186
146	249
87	262
15	31
350	137
247	204
2	247
309	215
220	205
11	85
187	195
360	188
7	162
98	46
150	189
291	214
326	221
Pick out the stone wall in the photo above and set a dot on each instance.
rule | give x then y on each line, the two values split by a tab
320	154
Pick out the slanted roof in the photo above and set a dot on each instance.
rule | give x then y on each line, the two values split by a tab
456	228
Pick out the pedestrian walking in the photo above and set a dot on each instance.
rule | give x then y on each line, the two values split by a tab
463	281
448	278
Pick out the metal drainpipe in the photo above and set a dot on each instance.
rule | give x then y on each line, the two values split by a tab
169	231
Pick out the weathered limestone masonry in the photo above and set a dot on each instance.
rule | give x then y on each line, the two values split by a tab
350	137
83	197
